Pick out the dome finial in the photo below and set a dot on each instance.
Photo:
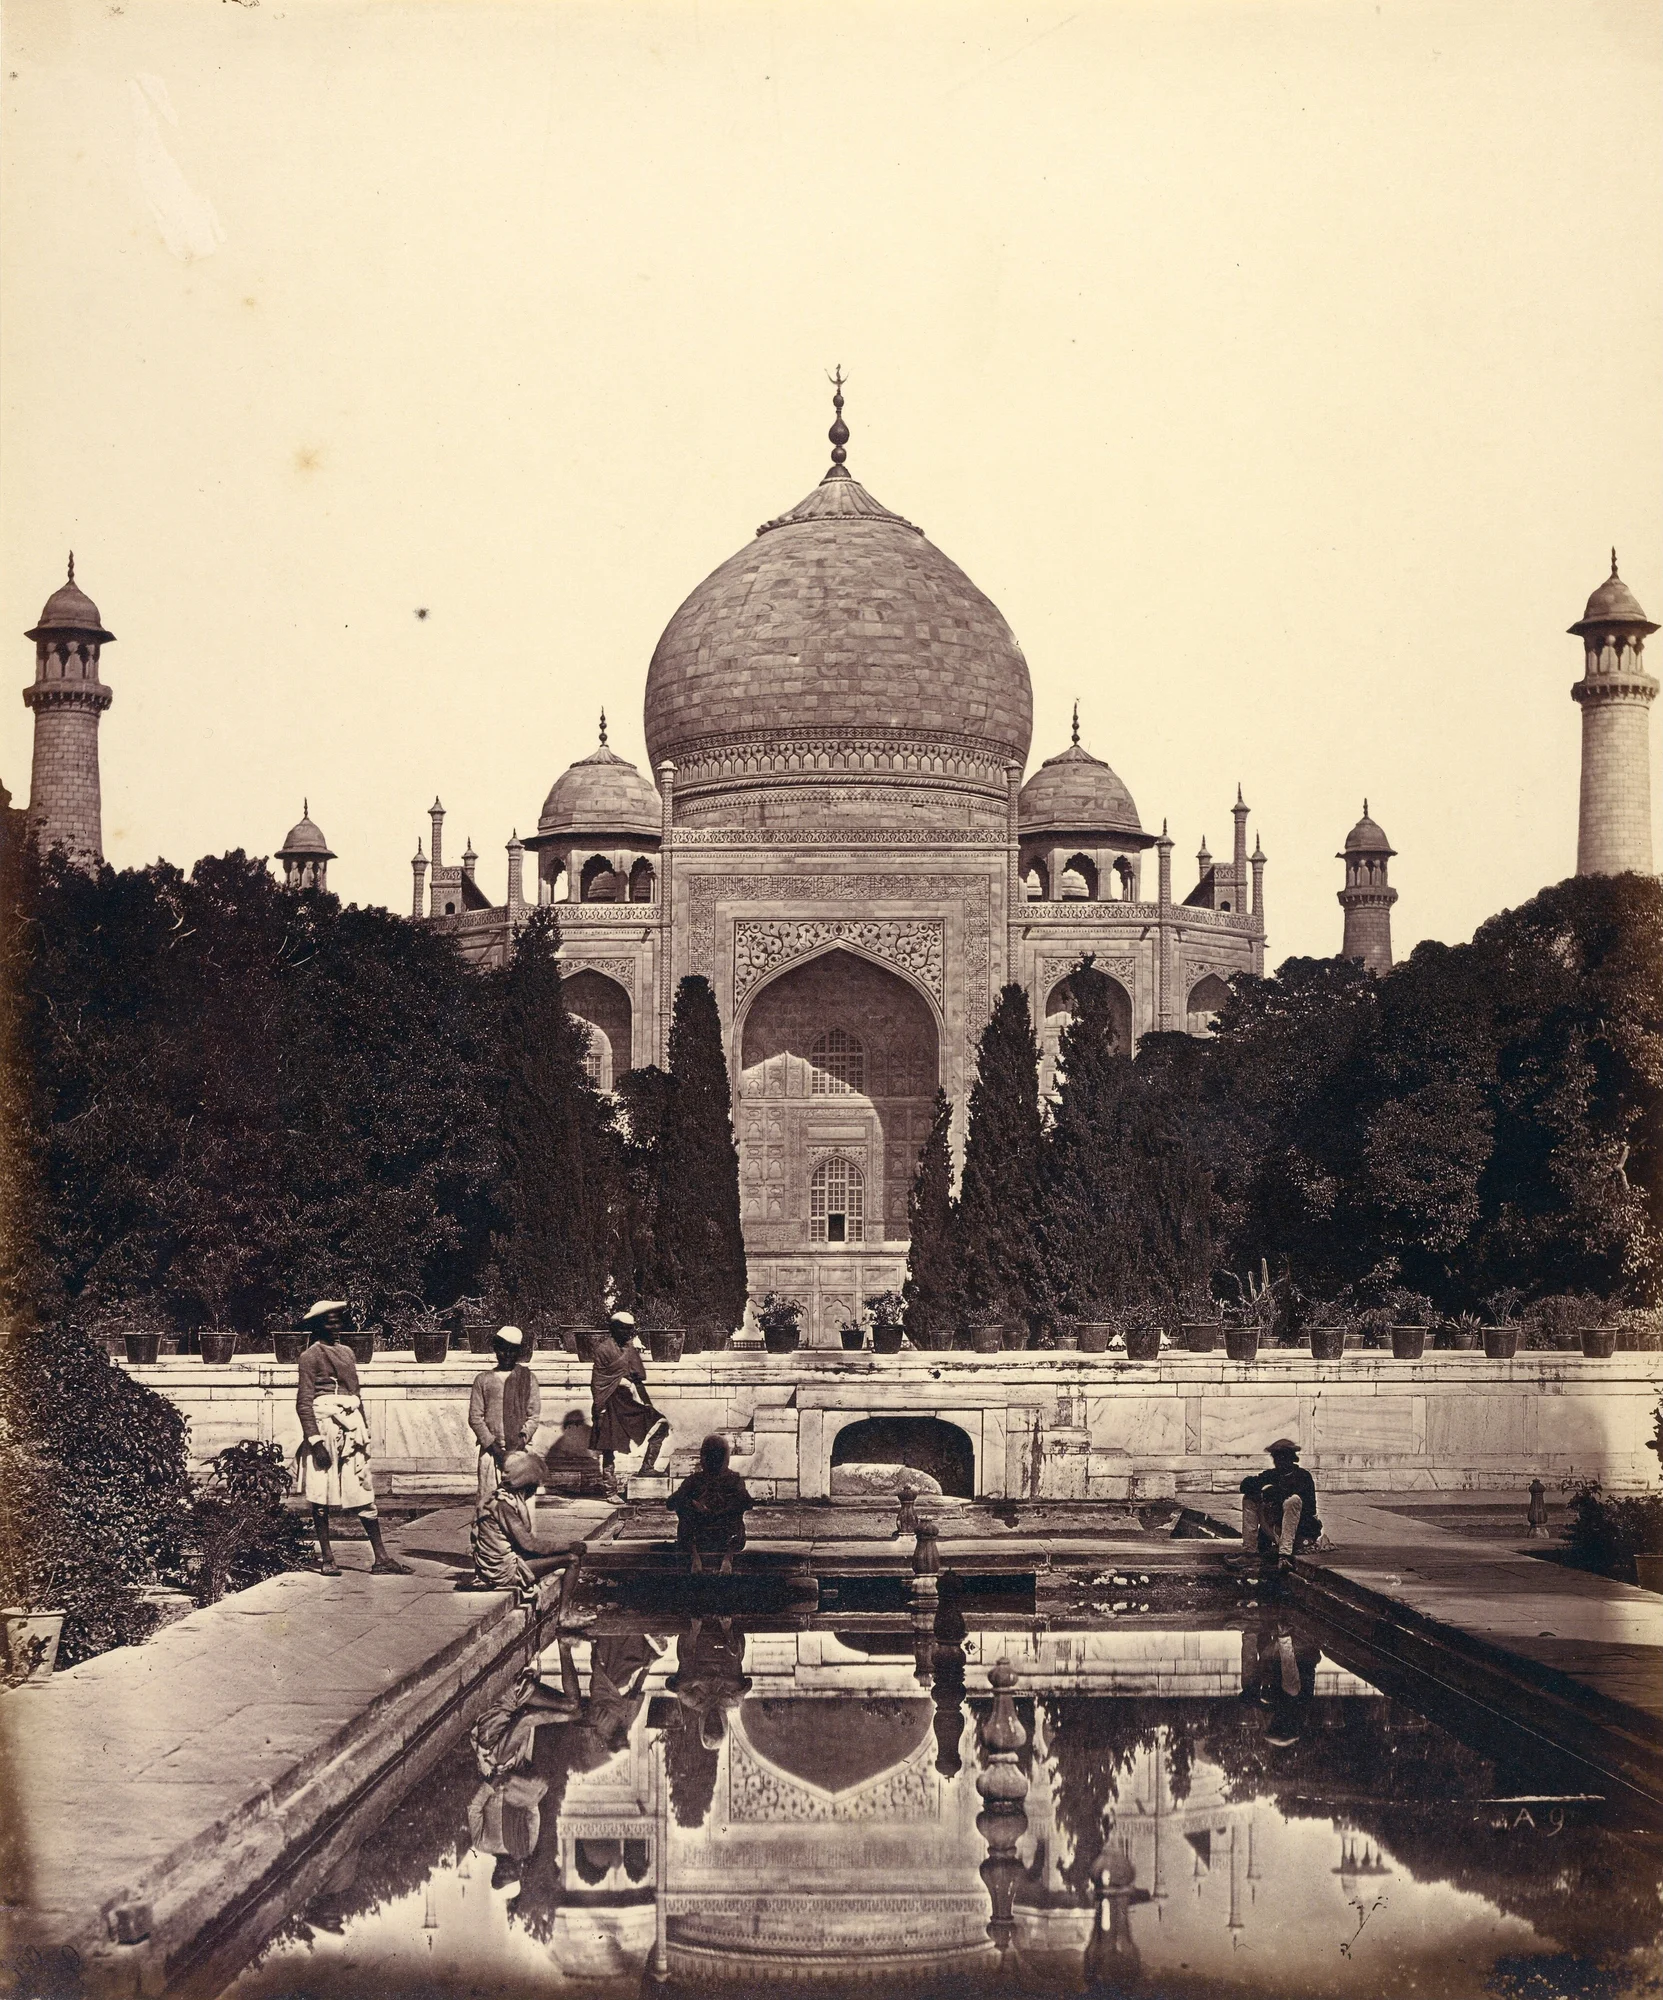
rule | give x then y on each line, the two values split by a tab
306	808
72	564
1076	725
1613	565
1365	808
839	432
603	728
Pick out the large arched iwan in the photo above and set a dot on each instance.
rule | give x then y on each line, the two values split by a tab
927	1444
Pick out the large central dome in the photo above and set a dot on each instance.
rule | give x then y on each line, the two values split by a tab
839	641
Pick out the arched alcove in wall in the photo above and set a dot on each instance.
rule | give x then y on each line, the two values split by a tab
927	1444
839	1060
1059	1011
604	1006
1206	997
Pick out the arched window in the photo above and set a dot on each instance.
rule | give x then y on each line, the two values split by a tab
1034	884
1079	880
641	882
599	884
1124	870
836	1202
838	1064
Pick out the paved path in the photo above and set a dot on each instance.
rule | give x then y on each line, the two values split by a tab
161	1779
1607	1635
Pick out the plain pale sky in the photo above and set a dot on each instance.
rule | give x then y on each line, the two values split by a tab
1283	372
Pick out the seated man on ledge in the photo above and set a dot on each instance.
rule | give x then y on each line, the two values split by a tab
506	1552
1279	1508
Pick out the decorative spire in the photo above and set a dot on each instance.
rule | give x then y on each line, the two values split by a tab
1365	808
603	728
1613	565
1240	801
839	432
1076	725
72	564
306	808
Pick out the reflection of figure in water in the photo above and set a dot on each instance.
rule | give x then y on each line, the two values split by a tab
1279	1671
710	1506
1113	1963
1278	1509
507	1554
578	1733
710	1676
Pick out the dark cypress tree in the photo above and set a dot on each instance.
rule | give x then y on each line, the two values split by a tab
931	1290
699	1251
552	1254
1089	1259
996	1222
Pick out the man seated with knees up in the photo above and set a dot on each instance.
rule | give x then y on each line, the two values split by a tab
507	1554
1279	1508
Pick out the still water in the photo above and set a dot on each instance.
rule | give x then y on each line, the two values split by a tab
959	1802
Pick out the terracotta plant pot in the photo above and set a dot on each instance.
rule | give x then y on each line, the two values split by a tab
290	1344
886	1339
1095	1335
1143	1343
1501	1343
1241	1343
143	1348
548	1340
852	1337
1599	1343
432	1346
1013	1334
580	1340
667	1342
932	1340
1648	1572
480	1334
986	1336
1327	1343
362	1343
1408	1342
219	1348
787	1339
1463	1339
32	1636
1201	1336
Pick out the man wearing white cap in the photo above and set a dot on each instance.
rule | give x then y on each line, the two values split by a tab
332	1465
504	1409
624	1413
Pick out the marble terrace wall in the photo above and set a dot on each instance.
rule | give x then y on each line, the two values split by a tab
1043	1426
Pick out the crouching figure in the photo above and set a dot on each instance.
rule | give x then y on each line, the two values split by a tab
710	1506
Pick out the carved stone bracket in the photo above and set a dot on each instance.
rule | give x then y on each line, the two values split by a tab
915	944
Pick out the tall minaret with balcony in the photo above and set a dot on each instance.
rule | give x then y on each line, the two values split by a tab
1615	695
68	700
1367	897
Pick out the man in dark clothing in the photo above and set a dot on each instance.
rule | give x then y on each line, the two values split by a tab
1279	1508
711	1505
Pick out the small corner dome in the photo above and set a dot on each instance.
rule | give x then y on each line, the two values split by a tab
70	609
1076	792
601	793
1366	837
1613	604
305	839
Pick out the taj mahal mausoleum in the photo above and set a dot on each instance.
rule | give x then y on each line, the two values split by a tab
841	840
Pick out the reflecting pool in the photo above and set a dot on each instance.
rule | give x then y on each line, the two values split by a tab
960	1801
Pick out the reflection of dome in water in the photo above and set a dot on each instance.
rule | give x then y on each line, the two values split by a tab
836	1745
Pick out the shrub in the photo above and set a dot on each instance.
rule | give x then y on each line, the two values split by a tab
779	1315
1606	1534
113	1455
240	1532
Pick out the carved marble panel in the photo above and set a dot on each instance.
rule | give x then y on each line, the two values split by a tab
915	944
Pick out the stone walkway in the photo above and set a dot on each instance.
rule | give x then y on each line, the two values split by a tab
1580	1655
161	1780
